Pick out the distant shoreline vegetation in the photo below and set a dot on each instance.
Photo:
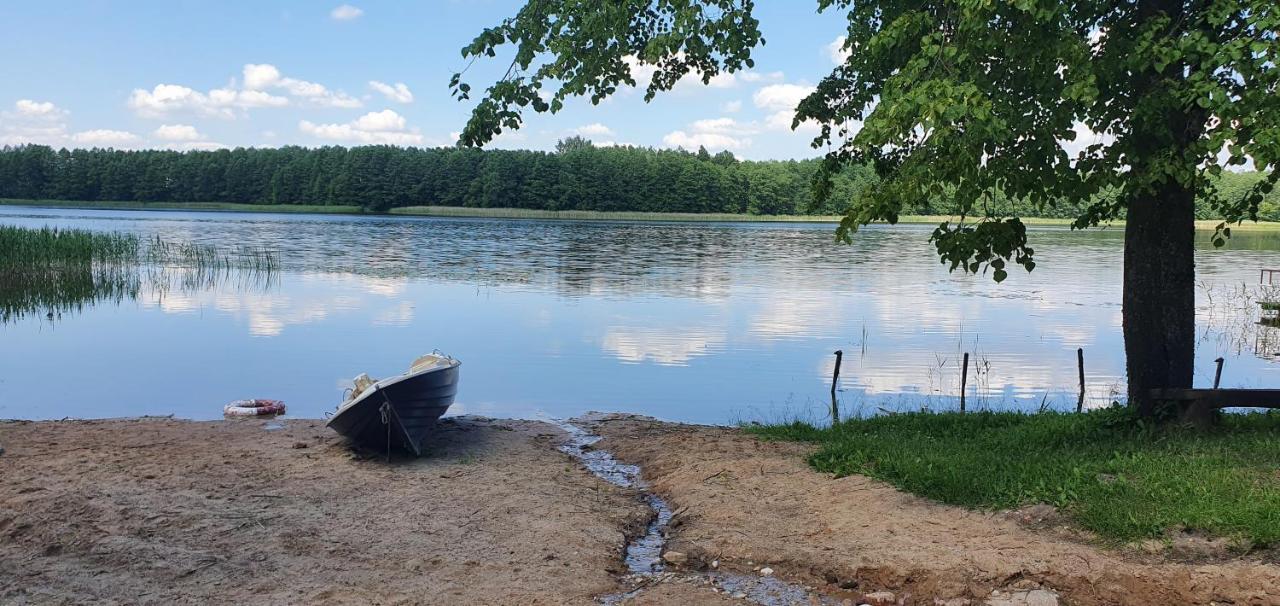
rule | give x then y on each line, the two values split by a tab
578	180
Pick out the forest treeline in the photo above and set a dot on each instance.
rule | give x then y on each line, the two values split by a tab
576	176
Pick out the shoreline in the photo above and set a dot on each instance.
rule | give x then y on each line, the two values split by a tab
549	215
280	510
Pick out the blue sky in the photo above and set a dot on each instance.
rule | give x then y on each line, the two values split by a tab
200	75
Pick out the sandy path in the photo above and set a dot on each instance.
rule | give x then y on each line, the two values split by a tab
748	503
161	511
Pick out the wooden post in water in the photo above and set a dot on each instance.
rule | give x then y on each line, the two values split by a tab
1080	364
964	379
1217	376
835	381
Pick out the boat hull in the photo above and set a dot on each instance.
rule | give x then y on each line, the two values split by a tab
413	404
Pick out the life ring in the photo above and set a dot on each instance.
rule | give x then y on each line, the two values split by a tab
252	408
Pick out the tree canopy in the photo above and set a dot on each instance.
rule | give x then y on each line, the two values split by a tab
579	176
965	99
972	100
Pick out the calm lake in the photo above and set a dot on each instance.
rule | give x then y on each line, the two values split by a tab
712	323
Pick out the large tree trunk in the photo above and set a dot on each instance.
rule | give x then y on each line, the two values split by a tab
1159	294
1159	243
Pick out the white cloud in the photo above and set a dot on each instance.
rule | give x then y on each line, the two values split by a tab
1096	36
643	74
183	137
260	80
721	80
595	129
781	120
37	109
398	92
33	122
731	107
177	132
258	76
384	127
45	124
780	100
781	96
759	77
196	146
720	125
104	138
712	133
1084	138
728	80
346	12
19	134
166	99
837	51
262	76
383	121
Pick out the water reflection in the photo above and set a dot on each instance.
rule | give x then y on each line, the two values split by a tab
708	323
664	346
50	292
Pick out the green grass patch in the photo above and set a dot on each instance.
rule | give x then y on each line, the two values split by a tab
1114	476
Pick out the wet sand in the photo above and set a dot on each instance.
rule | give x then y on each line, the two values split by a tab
163	511
745	503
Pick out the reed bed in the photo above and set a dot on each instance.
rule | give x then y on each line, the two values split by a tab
52	271
50	246
207	256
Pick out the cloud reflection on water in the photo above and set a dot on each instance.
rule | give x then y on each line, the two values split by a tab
689	322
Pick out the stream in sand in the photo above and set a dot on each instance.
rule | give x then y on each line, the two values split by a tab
643	555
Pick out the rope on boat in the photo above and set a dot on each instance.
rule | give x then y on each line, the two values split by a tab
385	409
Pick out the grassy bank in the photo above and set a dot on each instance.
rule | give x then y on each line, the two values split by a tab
1110	475
594	215
202	206
574	215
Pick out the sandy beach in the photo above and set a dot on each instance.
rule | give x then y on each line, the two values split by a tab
257	511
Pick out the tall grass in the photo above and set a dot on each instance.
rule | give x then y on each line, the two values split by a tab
207	256
191	206
52	271
20	246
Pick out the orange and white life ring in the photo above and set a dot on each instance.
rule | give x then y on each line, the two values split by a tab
251	408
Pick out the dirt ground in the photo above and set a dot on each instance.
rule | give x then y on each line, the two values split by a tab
267	512
161	511
745	503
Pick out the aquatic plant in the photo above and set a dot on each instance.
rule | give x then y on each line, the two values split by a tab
52	271
25	247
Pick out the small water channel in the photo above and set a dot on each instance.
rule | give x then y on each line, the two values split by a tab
643	555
